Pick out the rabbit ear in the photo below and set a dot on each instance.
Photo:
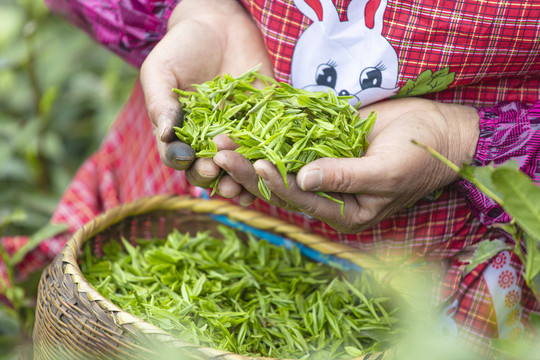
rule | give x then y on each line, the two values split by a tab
317	10
372	11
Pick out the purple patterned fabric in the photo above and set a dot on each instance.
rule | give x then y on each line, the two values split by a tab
130	28
507	131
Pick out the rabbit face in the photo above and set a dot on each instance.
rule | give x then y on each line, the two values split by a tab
349	57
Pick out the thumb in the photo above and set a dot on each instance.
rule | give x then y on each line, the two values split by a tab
188	54
164	110
344	175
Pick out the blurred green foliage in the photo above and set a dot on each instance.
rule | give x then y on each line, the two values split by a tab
59	93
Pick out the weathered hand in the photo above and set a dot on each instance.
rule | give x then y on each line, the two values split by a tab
393	174
205	38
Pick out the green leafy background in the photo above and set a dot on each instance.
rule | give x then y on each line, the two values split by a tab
59	93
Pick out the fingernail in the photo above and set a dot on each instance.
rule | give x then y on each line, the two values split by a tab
181	162
161	121
244	202
259	170
311	179
162	134
180	154
218	159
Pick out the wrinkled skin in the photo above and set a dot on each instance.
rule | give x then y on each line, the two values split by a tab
205	38
210	37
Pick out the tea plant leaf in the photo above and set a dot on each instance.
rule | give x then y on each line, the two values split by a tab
521	198
532	263
427	82
485	251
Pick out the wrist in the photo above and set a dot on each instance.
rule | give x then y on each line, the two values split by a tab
463	132
176	14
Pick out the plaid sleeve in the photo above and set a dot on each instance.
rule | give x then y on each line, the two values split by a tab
130	28
507	131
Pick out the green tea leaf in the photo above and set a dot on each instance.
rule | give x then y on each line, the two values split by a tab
253	297
287	126
263	189
158	257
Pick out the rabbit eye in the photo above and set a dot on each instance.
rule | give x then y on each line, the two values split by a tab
370	77
326	75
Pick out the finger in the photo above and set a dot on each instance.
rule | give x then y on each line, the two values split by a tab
241	170
203	172
187	54
176	155
245	198
236	165
223	142
347	175
157	81
360	211
308	202
228	188
371	209
164	111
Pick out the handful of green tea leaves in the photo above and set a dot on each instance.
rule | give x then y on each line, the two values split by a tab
252	298
289	127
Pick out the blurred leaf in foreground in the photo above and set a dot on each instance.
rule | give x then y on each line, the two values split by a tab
485	251
520	197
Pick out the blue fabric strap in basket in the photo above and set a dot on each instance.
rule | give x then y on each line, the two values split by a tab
275	239
272	238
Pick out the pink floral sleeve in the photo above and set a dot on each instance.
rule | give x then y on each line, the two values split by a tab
130	28
507	131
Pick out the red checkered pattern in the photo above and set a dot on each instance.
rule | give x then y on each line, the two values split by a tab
493	48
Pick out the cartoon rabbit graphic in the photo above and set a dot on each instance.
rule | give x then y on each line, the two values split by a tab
351	57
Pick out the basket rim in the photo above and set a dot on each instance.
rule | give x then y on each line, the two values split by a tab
72	250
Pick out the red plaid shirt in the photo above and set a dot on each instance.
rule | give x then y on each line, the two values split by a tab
476	53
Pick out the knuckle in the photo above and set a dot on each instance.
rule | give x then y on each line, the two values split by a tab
310	208
392	176
340	180
283	204
195	178
353	224
348	227
363	219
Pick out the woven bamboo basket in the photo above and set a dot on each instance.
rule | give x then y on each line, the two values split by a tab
73	321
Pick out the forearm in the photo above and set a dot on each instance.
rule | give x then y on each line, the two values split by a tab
507	131
130	28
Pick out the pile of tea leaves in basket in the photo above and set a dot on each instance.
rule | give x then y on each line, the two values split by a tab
287	126
248	297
